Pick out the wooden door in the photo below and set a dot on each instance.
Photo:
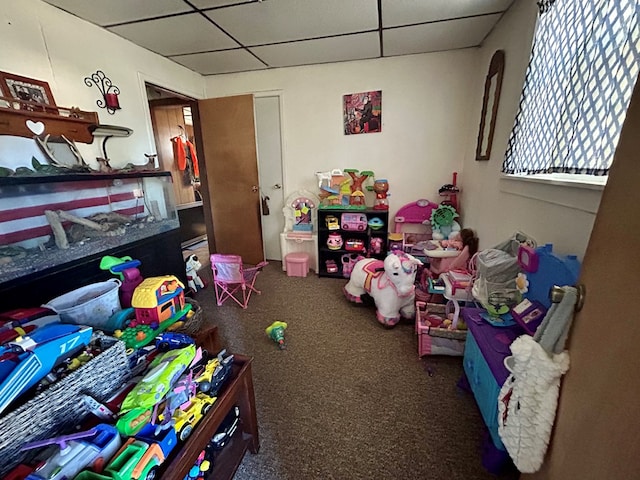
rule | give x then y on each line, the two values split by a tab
166	121
227	148
597	431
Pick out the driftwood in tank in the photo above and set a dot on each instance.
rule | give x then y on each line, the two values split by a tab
109	224
58	230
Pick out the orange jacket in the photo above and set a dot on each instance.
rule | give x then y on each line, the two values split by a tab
180	147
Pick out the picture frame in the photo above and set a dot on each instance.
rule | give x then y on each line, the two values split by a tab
362	112
490	103
28	91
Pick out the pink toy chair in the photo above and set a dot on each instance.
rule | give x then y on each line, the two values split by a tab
232	280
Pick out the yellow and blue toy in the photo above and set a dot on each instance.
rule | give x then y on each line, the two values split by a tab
157	299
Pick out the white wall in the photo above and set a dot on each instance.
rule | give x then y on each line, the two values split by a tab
40	41
497	207
425	119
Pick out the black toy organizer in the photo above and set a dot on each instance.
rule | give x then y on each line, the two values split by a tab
359	233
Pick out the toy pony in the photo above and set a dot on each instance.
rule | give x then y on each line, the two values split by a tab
192	265
390	283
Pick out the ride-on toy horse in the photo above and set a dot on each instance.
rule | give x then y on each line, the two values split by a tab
390	283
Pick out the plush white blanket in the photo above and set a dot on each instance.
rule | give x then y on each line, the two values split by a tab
527	401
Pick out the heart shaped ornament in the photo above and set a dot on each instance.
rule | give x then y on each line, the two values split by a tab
36	127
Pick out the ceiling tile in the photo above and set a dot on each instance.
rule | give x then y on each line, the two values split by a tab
228	61
218	3
405	12
433	37
119	11
176	35
324	50
284	20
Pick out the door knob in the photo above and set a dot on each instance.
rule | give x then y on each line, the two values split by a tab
277	186
254	188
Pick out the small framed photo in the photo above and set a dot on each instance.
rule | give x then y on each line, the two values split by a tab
27	90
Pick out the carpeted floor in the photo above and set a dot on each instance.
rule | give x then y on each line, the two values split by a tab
347	399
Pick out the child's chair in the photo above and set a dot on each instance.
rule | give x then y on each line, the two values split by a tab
232	280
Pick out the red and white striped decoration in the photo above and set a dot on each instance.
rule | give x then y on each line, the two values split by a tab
22	207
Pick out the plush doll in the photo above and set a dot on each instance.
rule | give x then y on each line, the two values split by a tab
192	265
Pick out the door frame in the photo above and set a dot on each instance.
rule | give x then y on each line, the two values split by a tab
285	194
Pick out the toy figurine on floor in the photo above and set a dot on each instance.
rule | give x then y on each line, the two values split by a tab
275	331
192	265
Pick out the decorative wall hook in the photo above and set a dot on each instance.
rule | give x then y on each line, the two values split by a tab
108	90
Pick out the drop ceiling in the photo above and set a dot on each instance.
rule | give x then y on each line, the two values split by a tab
224	36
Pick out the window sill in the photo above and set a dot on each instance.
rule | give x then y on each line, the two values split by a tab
589	182
557	189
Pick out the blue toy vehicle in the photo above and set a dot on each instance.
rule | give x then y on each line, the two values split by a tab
27	359
171	340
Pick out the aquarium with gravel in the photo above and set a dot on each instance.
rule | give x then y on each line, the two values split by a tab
47	221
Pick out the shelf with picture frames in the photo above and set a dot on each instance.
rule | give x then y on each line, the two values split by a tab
25	118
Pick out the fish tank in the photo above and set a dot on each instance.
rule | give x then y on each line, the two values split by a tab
49	221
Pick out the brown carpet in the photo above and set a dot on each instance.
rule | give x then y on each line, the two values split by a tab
347	399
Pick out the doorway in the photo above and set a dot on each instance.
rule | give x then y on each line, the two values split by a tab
269	140
174	115
172	121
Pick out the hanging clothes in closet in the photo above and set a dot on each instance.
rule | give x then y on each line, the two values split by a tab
184	154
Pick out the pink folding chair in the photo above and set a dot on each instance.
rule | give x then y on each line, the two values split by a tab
231	279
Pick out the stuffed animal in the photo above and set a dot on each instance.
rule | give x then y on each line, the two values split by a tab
390	283
192	265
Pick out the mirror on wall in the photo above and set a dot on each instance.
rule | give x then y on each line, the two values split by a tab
492	87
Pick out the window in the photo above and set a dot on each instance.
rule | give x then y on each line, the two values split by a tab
583	68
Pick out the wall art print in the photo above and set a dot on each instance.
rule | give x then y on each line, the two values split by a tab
362	112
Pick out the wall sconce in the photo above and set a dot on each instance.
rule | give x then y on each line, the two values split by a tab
108	90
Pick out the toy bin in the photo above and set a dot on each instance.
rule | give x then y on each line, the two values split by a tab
434	339
297	264
90	305
59	408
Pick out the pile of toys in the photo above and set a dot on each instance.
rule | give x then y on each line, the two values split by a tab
129	432
132	433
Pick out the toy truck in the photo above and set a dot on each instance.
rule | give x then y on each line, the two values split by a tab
136	460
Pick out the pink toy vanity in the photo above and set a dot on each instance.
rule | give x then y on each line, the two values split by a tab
413	221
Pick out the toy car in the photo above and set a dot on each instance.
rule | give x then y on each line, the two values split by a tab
92	448
185	420
354	222
215	373
332	222
226	430
27	359
170	340
166	370
136	460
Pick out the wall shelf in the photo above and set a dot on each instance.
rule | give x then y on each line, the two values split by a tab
73	123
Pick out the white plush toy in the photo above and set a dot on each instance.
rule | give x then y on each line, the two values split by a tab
390	283
192	265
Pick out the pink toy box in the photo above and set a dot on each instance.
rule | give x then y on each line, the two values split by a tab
297	264
433	337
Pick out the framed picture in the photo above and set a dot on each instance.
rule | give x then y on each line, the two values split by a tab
362	112
26	89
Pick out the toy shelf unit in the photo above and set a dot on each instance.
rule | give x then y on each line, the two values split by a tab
344	235
300	230
413	228
237	391
51	224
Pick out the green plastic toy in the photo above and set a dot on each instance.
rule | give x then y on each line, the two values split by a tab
276	333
